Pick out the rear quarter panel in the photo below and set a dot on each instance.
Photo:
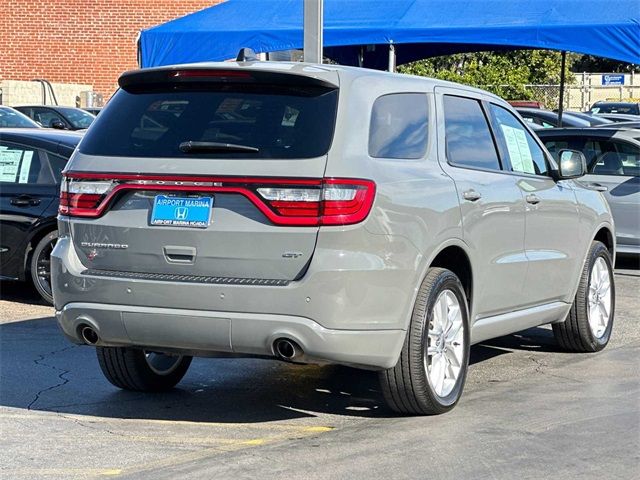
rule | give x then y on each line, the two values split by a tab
416	209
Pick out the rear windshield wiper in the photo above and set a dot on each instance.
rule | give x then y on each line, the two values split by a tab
214	147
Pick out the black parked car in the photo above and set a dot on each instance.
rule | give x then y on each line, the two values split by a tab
594	120
11	118
628	108
618	117
31	163
62	118
549	119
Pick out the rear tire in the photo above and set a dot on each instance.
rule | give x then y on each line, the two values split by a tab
40	266
588	326
430	374
140	370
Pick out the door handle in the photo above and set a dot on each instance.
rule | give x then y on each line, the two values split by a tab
597	187
532	199
471	195
25	201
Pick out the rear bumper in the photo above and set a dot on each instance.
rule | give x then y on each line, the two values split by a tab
204	333
351	307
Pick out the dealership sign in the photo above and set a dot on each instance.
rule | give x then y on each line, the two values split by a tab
610	79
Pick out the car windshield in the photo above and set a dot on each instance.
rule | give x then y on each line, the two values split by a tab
14	119
627	108
78	118
286	122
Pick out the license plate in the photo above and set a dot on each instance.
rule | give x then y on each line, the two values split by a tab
181	211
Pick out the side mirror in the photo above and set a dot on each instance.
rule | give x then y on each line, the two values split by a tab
57	124
571	164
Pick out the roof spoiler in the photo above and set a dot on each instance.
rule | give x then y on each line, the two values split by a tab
220	73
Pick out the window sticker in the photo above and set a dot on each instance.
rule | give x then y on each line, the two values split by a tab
25	166
9	163
518	147
290	116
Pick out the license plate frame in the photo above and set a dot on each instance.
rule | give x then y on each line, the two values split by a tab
176	211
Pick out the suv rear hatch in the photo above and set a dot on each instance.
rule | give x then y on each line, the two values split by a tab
209	174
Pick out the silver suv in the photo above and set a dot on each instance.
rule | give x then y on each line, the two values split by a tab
322	214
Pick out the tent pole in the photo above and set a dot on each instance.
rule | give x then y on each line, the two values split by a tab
392	57
312	26
562	80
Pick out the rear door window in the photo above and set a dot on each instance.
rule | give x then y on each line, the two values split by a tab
23	165
399	126
630	158
517	144
269	121
468	139
615	158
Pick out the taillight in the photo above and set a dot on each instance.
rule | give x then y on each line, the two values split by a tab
83	198
294	202
336	202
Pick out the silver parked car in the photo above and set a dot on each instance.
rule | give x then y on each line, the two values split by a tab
317	213
613	167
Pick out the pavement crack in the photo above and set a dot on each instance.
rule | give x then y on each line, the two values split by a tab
61	376
91	427
541	368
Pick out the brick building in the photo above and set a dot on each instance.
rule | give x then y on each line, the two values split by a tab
84	42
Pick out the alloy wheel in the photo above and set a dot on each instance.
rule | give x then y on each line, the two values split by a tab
43	267
599	298
445	346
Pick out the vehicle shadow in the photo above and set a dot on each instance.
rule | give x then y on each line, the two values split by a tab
40	370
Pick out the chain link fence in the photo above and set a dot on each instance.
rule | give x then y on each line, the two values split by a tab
576	96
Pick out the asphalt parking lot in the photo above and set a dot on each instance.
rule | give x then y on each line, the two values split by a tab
528	411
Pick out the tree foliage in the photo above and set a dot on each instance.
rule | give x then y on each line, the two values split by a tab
591	63
503	73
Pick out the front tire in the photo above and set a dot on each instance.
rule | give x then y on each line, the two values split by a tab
588	326
430	374
40	266
141	370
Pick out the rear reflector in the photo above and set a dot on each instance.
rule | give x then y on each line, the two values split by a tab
293	202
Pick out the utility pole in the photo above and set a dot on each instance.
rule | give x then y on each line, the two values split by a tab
313	22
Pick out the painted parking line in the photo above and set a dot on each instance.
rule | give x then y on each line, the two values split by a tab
225	446
60	472
198	444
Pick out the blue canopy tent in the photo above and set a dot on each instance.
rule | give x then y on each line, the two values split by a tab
359	32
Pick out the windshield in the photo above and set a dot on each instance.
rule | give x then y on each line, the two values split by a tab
78	118
627	108
14	119
259	121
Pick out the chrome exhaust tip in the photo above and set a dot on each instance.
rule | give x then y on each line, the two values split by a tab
89	335
287	349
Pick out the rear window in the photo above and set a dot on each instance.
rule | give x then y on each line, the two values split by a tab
268	122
